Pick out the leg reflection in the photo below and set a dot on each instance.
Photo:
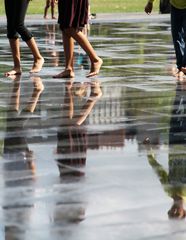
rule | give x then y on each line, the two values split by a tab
18	162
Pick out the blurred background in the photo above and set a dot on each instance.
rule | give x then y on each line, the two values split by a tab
97	6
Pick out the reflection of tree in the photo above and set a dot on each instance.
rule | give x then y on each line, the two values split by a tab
19	167
174	180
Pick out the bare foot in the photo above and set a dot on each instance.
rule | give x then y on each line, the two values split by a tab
95	67
15	77
183	69
14	71
65	74
37	66
179	74
38	84
95	91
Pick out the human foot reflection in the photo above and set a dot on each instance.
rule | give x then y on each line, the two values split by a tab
79	100
19	161
16	150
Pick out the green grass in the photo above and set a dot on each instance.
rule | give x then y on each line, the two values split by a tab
97	6
114	6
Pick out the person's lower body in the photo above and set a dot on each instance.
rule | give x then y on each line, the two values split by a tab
15	48
53	9
73	17
45	12
15	13
38	59
69	35
50	4
68	46
178	29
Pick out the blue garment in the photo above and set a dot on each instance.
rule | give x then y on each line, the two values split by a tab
178	29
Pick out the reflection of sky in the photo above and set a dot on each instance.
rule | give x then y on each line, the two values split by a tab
2	233
120	194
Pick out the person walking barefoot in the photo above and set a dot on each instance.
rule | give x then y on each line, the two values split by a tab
178	31
15	13
73	16
50	4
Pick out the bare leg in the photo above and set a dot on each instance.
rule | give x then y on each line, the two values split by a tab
15	98
37	90
68	45
46	8
15	48
38	59
177	73
95	94
83	41
53	9
183	69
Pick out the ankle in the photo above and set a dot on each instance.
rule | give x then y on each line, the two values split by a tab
17	67
39	58
69	69
97	60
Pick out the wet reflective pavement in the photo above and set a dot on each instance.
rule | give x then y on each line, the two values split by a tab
100	158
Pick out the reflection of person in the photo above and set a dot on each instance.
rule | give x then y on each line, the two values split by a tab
72	135
16	149
15	13
178	25
50	4
19	166
51	44
72	147
73	16
174	180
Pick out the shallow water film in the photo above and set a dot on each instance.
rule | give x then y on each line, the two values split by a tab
100	158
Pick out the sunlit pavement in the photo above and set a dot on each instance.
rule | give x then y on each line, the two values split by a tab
99	158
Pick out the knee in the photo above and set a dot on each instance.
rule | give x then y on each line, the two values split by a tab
12	34
24	33
48	4
52	3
